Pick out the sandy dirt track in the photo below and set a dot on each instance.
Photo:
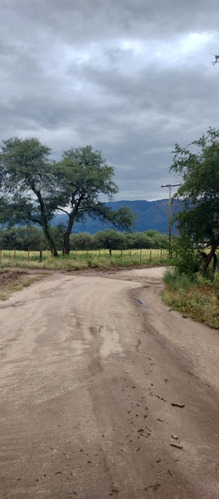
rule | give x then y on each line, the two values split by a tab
106	392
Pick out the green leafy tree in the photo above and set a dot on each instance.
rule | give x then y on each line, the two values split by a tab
198	222
32	188
22	238
110	239
81	241
83	178
30	237
9	239
58	235
158	240
26	183
138	240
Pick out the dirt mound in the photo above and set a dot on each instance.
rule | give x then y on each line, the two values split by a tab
9	276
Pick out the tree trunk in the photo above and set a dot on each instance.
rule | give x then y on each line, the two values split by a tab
45	223
49	238
67	242
67	247
210	256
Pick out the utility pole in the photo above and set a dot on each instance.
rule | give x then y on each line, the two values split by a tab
169	214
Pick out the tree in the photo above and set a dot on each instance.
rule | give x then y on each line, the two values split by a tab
22	238
58	235
83	177
198	222
110	239
26	183
32	188
138	240
81	241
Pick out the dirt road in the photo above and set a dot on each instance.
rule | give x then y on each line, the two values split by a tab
105	392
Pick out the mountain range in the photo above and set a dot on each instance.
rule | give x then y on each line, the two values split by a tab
149	215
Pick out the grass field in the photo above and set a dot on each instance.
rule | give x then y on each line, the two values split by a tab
83	259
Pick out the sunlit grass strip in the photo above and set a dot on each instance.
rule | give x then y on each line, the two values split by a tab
83	259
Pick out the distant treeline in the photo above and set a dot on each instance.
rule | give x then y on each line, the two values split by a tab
30	237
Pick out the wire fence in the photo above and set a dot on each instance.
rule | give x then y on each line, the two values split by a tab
119	257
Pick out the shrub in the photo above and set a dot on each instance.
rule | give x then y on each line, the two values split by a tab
176	281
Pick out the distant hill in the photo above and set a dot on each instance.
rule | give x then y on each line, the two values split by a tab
149	215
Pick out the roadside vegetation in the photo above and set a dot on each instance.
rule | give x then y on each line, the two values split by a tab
32	238
196	297
27	247
84	259
192	282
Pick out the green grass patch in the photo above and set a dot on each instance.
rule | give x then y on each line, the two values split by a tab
197	298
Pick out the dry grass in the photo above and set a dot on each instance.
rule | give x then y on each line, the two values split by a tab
13	281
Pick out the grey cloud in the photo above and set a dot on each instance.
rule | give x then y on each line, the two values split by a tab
99	19
129	77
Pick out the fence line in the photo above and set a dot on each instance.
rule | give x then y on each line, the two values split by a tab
143	255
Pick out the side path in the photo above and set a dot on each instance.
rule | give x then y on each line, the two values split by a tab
104	393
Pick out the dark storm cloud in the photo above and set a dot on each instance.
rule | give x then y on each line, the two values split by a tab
129	77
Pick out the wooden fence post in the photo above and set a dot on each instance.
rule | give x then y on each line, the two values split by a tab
1	256
150	255
140	256
41	255
28	254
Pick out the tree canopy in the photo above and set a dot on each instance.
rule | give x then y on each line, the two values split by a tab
83	177
33	187
27	178
198	167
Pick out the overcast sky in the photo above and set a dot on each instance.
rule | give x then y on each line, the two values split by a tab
129	77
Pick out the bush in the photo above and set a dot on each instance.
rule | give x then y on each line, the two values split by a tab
187	258
176	281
